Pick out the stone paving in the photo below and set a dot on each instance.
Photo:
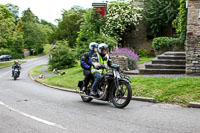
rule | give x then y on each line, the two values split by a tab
46	73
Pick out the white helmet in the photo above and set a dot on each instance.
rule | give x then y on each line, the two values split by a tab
93	45
16	61
102	46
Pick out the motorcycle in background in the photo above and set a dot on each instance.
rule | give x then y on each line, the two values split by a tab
16	73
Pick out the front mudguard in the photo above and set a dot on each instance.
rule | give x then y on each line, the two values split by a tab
125	79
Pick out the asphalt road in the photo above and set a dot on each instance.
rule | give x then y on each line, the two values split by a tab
29	107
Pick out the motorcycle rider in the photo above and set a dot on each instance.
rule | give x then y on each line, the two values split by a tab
86	64
17	66
100	60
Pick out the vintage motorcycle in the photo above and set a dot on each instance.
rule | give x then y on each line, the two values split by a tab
114	87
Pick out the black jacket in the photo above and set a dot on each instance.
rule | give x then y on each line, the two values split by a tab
16	66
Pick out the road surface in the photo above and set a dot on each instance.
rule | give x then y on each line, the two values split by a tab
29	107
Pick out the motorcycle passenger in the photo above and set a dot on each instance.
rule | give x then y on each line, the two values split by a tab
100	60
86	63
17	66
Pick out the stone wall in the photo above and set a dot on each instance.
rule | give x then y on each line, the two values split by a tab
122	61
138	39
193	38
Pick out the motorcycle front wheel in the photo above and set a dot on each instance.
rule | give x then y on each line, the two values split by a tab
122	95
15	76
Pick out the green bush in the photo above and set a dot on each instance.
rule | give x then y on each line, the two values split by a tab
17	55
144	52
62	56
166	43
40	49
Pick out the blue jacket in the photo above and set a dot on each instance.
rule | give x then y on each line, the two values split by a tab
86	60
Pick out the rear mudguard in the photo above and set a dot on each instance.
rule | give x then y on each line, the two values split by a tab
80	84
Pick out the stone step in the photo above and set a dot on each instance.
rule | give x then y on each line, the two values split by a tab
163	66
162	61
162	71
171	57
175	53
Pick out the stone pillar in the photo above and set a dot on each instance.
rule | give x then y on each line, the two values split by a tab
122	61
193	38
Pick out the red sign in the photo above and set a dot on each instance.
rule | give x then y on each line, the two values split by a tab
101	8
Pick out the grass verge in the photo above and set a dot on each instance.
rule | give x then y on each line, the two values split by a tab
145	59
167	90
36	71
7	64
69	80
171	90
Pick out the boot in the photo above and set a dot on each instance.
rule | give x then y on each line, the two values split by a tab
99	92
83	89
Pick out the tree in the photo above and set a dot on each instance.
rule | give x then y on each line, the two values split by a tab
68	26
34	37
122	16
35	34
28	16
6	25
20	26
11	37
14	9
51	26
17	41
159	14
48	28
16	45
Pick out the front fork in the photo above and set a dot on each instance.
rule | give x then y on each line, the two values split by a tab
116	81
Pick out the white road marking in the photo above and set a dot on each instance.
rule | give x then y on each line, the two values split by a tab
33	117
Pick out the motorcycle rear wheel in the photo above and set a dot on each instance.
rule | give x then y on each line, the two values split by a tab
86	99
122	93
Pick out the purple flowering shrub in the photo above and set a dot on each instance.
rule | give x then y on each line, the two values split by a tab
133	58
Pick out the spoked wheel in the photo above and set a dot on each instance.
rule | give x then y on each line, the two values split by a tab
122	95
86	99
